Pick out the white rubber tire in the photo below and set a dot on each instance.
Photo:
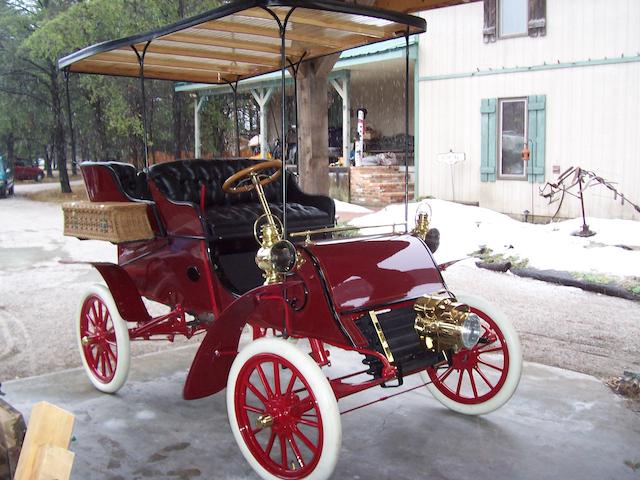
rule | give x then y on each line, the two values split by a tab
318	383
122	341
515	363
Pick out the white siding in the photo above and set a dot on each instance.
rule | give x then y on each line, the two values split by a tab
593	112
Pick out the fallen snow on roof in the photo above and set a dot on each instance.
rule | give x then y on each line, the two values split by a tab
464	229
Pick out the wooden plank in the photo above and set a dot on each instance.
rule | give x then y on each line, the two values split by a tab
160	60
48	425
214	54
318	19
12	430
53	463
201	38
247	29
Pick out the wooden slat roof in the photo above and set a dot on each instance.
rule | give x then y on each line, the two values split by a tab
242	40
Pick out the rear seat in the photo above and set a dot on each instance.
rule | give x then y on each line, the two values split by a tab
229	215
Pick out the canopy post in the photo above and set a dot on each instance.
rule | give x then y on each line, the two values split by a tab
234	88
406	131
144	102
74	162
282	26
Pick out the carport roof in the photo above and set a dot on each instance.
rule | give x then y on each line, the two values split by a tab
242	40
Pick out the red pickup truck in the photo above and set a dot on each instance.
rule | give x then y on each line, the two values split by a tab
28	171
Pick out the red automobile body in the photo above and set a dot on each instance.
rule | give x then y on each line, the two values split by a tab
336	283
28	172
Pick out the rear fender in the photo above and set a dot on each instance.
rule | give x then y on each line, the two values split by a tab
210	368
124	291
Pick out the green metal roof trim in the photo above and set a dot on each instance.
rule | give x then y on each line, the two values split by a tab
369	53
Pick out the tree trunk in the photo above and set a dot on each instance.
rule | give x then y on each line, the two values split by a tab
74	161
313	128
47	161
10	142
178	109
58	130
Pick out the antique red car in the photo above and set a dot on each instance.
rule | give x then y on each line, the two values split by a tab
226	243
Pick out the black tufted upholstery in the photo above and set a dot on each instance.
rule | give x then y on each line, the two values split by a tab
230	215
133	183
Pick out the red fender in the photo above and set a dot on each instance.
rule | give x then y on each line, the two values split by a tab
210	368
124	291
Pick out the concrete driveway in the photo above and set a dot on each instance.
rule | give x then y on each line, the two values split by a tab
559	425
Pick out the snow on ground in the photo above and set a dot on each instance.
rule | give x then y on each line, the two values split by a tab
464	229
344	207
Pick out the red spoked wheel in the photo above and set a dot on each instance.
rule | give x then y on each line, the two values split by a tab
103	340
283	412
484	378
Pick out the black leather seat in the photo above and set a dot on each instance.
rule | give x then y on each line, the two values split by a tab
229	215
134	184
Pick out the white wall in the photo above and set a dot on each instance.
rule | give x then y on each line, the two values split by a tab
593	113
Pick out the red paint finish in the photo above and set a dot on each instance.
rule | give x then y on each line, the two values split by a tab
470	367
377	271
297	426
210	368
101	185
101	352
178	218
124	292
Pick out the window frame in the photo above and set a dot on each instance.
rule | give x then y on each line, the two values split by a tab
501	35
501	101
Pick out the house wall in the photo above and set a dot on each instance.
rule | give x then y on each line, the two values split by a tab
592	112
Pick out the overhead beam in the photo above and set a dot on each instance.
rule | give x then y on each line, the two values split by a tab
156	60
318	19
186	51
412	6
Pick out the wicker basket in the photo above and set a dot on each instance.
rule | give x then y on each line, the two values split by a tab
115	222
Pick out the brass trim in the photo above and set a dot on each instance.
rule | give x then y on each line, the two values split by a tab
381	336
307	233
264	421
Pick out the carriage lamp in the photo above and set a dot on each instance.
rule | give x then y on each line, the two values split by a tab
423	213
444	324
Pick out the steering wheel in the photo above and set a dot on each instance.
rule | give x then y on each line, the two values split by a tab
239	179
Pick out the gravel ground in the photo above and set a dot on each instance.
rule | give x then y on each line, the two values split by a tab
559	326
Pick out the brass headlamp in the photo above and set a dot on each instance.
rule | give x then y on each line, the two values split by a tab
444	324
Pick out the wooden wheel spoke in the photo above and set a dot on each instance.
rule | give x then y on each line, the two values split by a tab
460	381
269	447
305	405
482	375
292	382
473	384
283	452
265	381
309	423
490	350
257	392
490	365
444	376
276	378
296	450
251	408
310	445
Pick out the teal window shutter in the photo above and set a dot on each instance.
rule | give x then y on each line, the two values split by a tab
536	136
489	140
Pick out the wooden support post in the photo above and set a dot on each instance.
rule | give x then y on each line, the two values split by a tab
313	131
262	97
48	436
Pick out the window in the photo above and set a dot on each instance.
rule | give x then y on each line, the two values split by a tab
513	17
512	136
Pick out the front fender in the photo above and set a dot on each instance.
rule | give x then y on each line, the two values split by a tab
210	368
